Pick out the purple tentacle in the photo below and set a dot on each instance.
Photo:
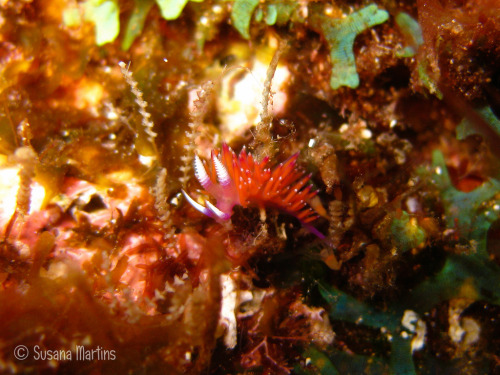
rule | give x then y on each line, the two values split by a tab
218	213
199	207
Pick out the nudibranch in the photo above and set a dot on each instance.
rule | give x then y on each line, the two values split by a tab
240	180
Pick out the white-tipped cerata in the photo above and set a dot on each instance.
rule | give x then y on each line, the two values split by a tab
198	206
222	175
201	173
221	215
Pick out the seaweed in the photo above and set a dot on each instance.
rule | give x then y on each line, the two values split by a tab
172	9
136	22
340	34
469	214
241	15
468	127
105	16
412	33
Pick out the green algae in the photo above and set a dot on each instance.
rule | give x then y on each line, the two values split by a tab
241	15
340	34
136	22
468	127
469	214
412	32
279	12
347	308
105	16
458	270
172	9
406	234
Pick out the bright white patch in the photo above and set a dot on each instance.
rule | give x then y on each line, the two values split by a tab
37	197
412	204
9	183
55	271
463	332
472	331
147	160
240	103
9	186
192	97
409	318
412	322
280	98
111	114
366	133
455	330
227	316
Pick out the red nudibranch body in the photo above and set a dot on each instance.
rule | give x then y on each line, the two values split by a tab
239	180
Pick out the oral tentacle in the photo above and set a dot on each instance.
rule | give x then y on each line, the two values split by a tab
218	213
204	210
314	231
